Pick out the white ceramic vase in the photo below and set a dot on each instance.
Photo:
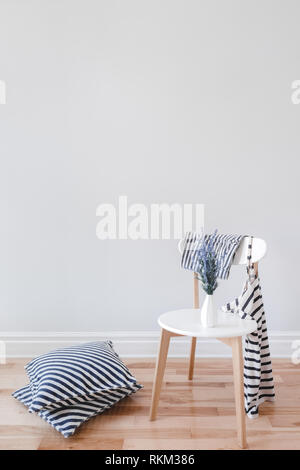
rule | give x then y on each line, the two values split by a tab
208	312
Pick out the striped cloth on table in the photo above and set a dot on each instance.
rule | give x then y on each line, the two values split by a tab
66	419
225	247
258	378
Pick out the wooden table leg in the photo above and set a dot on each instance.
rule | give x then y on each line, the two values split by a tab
159	371
192	358
238	375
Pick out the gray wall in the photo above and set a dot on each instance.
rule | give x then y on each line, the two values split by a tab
164	101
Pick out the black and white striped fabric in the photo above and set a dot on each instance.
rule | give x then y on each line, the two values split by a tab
258	378
191	245
225	247
69	385
66	419
67	375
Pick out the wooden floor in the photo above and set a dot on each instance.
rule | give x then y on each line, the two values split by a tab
196	414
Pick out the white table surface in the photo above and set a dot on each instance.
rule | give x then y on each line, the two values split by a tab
187	322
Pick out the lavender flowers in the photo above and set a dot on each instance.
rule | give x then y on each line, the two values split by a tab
209	263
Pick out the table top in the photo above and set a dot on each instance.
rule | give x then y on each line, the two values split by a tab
187	322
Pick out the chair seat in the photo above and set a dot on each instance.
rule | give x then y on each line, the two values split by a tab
187	322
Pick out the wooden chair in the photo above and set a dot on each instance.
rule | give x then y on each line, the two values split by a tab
229	330
259	249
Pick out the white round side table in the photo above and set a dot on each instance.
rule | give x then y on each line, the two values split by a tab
229	330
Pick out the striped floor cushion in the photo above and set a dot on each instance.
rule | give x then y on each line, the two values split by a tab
67	419
70	385
77	374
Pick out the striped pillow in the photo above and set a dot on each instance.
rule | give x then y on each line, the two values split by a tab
77	374
67	419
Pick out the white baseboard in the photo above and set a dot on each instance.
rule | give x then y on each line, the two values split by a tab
132	343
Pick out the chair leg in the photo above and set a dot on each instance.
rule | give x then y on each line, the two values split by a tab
238	375
192	358
159	371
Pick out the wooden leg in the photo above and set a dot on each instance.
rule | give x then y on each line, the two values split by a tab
194	340
159	371
238	375
192	358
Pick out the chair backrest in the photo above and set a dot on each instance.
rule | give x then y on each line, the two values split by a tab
259	249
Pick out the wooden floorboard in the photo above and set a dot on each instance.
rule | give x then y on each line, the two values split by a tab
196	414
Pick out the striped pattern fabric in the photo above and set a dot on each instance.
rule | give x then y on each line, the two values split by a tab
67	375
258	378
66	419
69	385
225	247
191	246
